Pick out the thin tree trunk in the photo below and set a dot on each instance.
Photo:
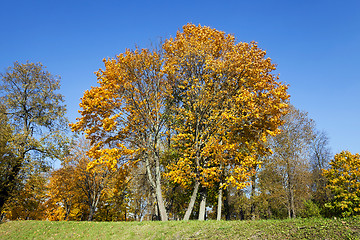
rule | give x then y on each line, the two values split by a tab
289	211
192	201
242	214
2	216
292	204
291	208
91	214
202	210
218	217
227	205
252	196
67	210
158	212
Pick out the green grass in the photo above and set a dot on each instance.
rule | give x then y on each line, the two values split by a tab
263	229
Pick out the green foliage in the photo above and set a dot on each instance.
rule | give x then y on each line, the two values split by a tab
310	209
35	113
33	106
7	177
344	183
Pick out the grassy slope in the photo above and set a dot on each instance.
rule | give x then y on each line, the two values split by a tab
263	229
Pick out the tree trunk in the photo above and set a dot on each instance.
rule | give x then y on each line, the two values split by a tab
227	205
154	208
160	200
2	216
252	196
292	204
291	208
160	203
67	210
91	213
202	210
156	185
192	201
218	216
242	214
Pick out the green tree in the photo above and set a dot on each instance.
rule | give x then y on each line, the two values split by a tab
35	112
344	183
7	176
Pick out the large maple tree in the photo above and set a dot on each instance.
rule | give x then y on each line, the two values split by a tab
215	101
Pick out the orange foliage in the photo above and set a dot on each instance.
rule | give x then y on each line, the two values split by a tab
227	103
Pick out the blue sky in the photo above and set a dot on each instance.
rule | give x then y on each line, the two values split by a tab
316	45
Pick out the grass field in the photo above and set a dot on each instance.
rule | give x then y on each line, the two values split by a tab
261	229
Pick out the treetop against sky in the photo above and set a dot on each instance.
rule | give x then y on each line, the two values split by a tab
314	44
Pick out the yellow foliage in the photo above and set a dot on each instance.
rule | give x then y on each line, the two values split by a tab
218	99
344	183
230	103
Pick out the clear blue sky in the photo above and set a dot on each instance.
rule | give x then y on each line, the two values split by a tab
316	45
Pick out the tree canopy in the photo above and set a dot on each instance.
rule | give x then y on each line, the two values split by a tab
214	99
344	183
35	114
198	127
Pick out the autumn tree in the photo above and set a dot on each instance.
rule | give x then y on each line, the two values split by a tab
119	203
142	203
204	95
28	202
35	112
63	194
125	116
91	180
226	103
8	178
286	174
128	197
344	183
320	158
78	187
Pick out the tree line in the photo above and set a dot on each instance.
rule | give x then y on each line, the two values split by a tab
198	128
